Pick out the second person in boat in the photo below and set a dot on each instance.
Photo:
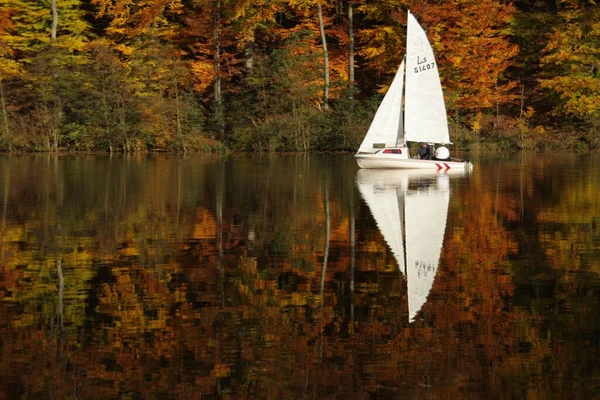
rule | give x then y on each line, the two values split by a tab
424	153
442	153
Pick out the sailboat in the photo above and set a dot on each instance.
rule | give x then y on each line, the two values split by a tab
424	119
410	208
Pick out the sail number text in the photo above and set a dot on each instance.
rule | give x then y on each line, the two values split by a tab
423	65
424	268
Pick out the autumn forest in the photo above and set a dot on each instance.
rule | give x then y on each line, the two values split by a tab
288	75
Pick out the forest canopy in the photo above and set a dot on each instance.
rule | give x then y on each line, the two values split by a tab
288	75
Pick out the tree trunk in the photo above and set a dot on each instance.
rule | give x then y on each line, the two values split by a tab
249	54
497	103
325	57
5	116
351	43
123	126
46	124
54	21
5	206
327	239
54	139
56	125
522	127
217	69
61	295
352	262
106	119
57	115
178	116
522	103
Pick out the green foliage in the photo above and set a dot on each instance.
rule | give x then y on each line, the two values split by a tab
572	58
350	119
284	94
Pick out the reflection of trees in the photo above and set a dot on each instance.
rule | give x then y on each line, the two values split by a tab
262	278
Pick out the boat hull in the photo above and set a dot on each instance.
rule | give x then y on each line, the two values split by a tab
393	161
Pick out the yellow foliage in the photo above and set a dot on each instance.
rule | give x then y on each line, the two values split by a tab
124	49
129	251
476	123
203	72
8	67
13	233
205	226
298	299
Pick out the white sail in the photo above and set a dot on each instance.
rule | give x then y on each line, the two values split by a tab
425	109
426	213
410	208
383	191
424	114
386	124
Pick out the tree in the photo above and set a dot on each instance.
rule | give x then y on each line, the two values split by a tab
9	67
209	41
330	37
251	18
571	62
325	56
112	101
530	29
381	37
472	44
351	43
127	19
47	54
165	104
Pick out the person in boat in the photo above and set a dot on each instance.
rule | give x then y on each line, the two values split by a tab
442	153
424	153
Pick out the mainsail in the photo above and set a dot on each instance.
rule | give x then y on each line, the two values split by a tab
425	109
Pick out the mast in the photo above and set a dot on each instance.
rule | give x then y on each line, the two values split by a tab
401	193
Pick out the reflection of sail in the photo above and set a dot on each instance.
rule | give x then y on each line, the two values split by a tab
384	194
426	212
414	202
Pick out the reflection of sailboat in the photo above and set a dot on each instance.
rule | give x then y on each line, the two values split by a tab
410	208
424	119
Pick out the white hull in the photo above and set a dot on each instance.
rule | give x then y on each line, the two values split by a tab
397	161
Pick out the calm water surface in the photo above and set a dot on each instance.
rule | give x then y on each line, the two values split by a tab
271	277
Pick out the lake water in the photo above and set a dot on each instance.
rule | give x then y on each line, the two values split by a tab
279	277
